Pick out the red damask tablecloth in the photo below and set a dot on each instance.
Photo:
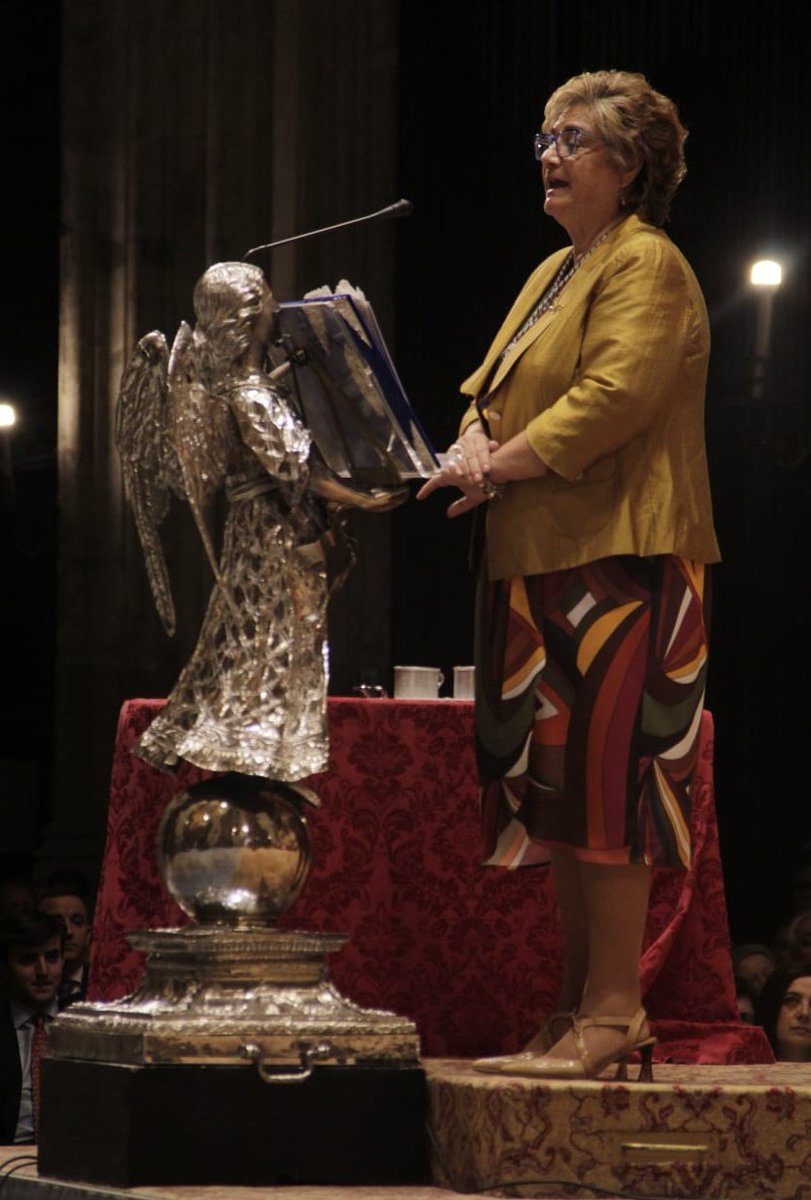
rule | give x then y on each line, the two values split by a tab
472	954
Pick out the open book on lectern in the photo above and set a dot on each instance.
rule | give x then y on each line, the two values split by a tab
348	390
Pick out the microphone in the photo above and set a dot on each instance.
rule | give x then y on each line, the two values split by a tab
400	208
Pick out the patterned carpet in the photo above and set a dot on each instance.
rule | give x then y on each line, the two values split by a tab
737	1132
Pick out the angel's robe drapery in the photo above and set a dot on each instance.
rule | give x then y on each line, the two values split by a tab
252	697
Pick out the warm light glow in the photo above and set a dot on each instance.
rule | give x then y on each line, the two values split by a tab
8	416
766	273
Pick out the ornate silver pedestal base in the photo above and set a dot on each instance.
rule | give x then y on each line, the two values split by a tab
226	996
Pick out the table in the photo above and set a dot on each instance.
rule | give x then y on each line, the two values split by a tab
472	954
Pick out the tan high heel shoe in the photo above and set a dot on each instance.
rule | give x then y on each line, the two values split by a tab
555	1027
587	1065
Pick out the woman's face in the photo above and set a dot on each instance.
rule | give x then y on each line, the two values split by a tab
793	1032
582	190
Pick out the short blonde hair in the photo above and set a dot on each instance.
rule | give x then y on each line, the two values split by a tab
640	127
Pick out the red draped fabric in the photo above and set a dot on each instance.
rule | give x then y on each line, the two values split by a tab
472	954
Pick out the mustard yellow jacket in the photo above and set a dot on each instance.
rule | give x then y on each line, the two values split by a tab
609	387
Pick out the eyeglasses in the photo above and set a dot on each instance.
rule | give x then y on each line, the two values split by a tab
566	143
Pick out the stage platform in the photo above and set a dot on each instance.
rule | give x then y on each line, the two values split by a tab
698	1132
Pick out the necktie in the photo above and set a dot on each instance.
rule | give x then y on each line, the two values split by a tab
39	1043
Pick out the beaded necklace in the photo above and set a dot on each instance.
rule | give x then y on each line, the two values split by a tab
566	270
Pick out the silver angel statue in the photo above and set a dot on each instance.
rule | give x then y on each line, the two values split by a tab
205	417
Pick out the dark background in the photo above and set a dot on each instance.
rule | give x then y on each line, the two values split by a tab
472	81
29	319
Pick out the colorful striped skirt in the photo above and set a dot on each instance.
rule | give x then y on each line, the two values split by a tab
589	692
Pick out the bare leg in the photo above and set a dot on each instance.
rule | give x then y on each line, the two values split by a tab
571	905
574	924
615	901
603	911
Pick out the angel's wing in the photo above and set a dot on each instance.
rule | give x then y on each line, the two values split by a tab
148	461
200	432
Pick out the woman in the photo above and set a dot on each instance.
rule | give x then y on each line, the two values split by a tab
584	437
784	1011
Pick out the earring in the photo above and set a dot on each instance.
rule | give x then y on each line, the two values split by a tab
623	201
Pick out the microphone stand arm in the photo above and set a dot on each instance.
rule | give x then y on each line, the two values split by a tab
401	208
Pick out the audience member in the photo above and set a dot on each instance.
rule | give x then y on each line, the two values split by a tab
69	905
16	893
70	879
753	964
30	973
784	1011
794	939
745	1000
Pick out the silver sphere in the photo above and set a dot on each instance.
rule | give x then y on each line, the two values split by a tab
234	850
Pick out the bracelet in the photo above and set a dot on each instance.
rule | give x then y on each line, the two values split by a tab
493	491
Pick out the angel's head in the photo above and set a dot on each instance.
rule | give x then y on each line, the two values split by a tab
230	301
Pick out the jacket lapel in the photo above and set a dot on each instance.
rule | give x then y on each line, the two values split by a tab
480	382
522	345
570	297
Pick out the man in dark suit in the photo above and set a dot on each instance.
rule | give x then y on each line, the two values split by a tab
31	958
68	902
